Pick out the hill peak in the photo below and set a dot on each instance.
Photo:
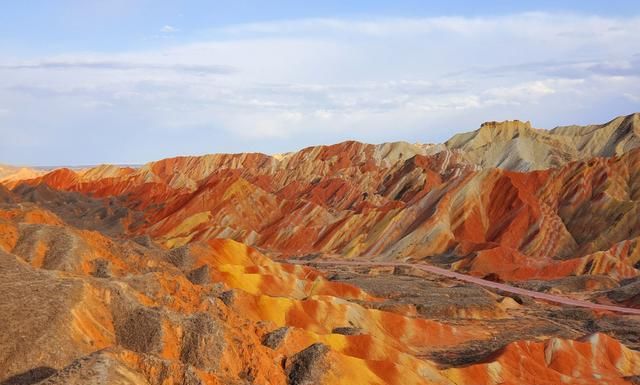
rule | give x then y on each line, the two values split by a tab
506	124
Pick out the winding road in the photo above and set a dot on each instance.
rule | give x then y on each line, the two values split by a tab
479	281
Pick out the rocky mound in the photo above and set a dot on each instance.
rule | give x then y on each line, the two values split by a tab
10	174
85	308
352	200
515	145
167	273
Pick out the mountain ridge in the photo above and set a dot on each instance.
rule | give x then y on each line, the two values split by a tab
393	201
176	272
623	133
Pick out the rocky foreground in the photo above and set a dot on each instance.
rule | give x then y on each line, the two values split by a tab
119	275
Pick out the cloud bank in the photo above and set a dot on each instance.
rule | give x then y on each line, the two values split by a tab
278	86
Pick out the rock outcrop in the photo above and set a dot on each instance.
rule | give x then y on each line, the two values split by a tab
515	145
176	272
451	207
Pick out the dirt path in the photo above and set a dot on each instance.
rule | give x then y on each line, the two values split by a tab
481	282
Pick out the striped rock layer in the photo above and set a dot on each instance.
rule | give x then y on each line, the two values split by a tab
84	308
167	273
400	201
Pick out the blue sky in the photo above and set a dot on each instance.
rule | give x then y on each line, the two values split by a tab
86	82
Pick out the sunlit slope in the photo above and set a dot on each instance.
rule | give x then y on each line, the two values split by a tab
88	306
392	201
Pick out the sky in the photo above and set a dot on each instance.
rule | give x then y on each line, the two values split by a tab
130	81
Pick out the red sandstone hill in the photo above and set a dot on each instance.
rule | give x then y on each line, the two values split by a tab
86	308
399	201
163	274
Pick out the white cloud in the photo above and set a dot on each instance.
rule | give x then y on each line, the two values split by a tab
105	64
633	97
169	29
300	82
